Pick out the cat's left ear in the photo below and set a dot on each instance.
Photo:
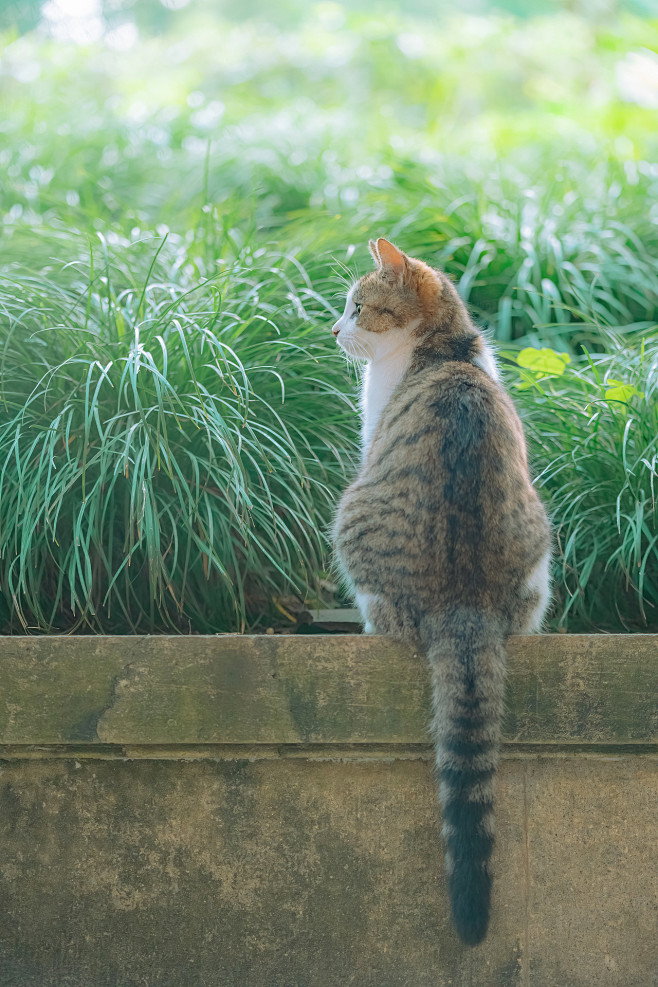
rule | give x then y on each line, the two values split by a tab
394	264
372	247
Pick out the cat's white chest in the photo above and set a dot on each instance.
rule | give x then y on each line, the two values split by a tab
379	382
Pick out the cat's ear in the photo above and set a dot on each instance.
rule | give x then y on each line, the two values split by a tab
393	262
372	246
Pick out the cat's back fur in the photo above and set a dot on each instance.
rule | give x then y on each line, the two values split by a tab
442	534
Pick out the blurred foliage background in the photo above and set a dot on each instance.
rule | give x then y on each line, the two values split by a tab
186	185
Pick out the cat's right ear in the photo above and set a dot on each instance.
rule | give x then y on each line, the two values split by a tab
375	253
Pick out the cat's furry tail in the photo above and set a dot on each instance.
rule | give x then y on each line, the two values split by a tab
466	651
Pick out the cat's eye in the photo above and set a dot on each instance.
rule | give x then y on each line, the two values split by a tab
358	309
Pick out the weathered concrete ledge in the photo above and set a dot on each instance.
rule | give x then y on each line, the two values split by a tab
261	812
563	690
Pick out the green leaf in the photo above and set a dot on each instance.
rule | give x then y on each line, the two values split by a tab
622	392
543	361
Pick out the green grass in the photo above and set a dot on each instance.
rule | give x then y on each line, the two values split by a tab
176	424
593	439
574	244
168	458
505	149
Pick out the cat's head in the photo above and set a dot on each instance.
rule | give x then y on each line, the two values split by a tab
391	304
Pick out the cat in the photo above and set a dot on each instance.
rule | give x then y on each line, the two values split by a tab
441	537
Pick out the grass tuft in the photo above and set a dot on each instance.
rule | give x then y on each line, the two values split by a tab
593	435
168	458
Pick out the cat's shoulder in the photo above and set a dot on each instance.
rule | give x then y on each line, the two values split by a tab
449	390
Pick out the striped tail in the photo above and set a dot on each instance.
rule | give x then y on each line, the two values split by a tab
467	659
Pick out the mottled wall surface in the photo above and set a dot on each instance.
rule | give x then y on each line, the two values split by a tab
311	864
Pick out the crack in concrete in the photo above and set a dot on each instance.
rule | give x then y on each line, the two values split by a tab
525	962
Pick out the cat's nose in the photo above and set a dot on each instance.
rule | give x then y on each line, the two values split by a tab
335	330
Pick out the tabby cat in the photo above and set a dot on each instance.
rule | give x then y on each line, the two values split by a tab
442	536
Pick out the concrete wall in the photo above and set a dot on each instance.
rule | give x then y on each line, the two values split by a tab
261	811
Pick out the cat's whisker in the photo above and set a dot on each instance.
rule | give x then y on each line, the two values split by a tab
345	276
362	351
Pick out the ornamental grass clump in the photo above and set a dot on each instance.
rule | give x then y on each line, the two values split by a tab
538	250
592	427
170	450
